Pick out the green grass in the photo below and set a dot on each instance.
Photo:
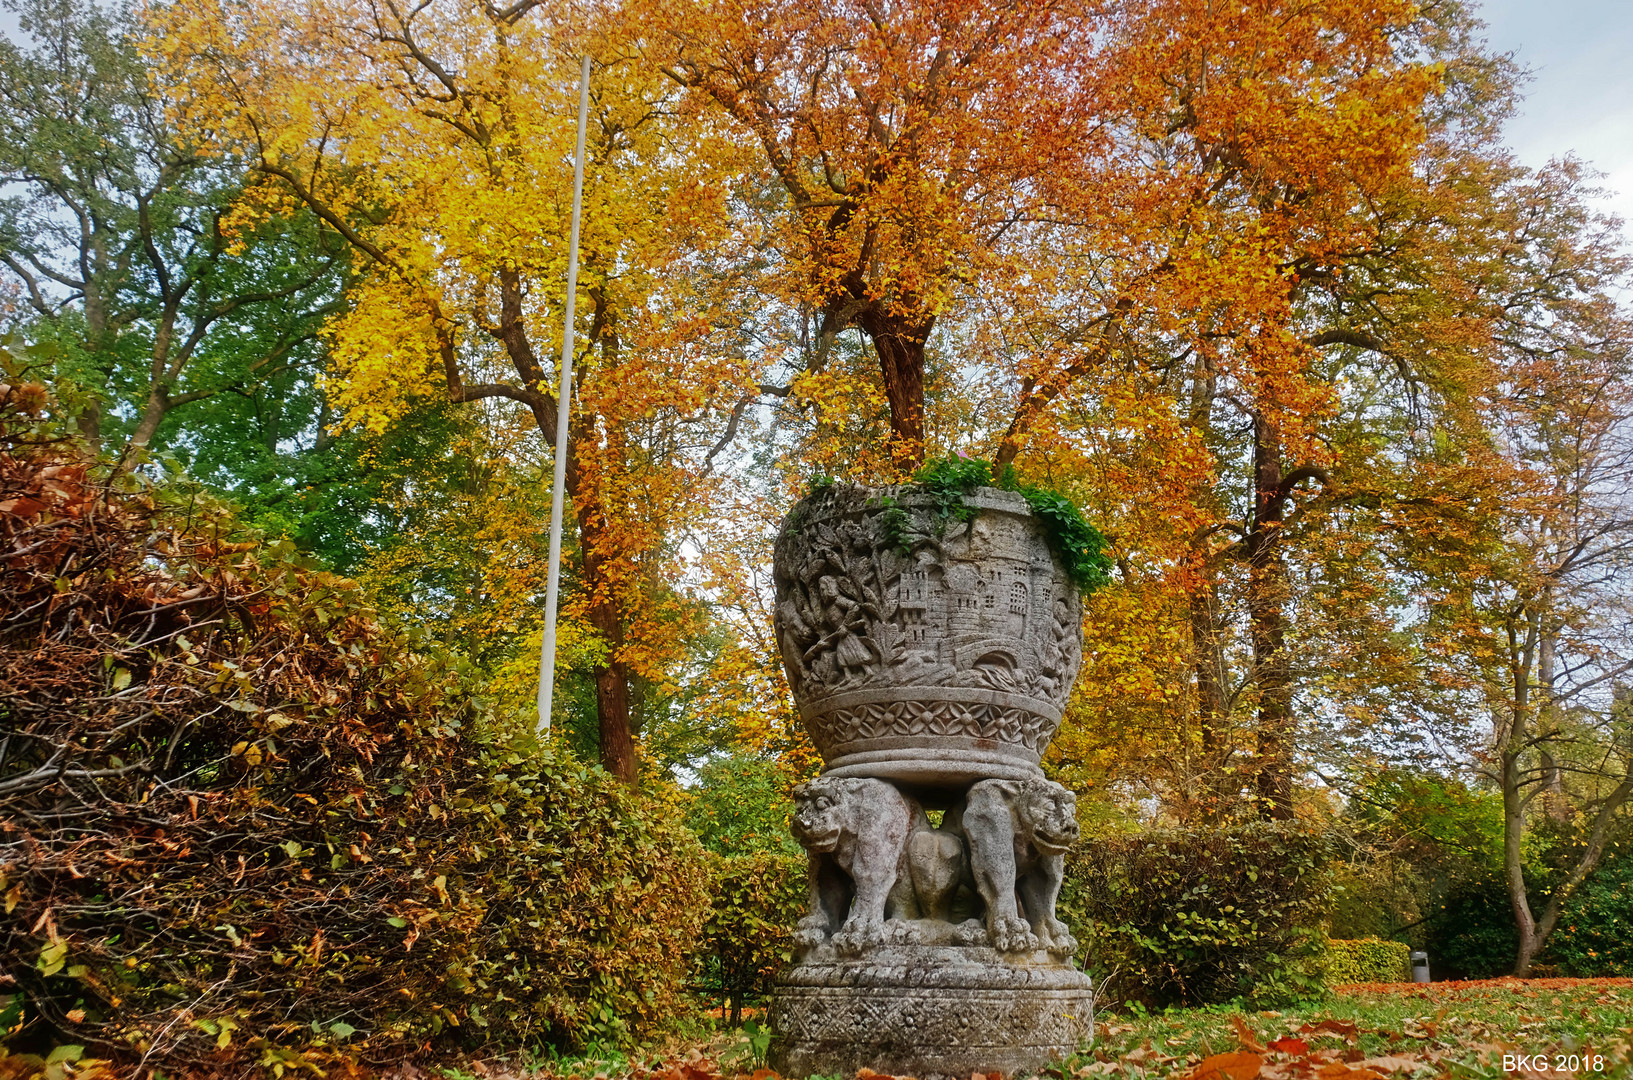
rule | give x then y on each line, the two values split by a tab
1449	1030
1445	1030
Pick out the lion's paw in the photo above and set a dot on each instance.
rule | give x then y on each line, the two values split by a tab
902	932
970	932
809	938
1061	941
1013	935
857	935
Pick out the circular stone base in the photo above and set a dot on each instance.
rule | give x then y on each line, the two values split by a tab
931	1012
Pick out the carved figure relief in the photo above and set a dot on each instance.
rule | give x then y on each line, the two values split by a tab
931	603
855	832
879	871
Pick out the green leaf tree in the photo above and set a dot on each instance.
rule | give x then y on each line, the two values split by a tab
125	241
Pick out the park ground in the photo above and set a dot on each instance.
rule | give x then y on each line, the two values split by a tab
1517	1029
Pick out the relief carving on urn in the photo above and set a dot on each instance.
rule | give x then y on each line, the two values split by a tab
904	632
988	875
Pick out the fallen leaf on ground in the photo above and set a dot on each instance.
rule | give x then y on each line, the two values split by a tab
1289	1045
1337	1070
1245	1036
1227	1067
1392	1063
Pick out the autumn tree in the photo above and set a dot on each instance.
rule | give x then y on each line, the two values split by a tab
1154	202
436	140
1530	624
909	142
125	240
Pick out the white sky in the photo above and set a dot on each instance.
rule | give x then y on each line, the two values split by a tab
1580	100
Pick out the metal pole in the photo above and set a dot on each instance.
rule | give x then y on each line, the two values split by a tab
564	396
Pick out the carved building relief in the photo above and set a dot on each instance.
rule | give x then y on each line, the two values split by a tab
878	590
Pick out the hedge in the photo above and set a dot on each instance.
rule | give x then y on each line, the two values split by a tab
245	821
1201	915
747	940
1364	960
1594	937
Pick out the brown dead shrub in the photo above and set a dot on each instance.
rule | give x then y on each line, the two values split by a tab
243	821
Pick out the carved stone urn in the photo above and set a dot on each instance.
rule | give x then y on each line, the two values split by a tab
920	646
931	641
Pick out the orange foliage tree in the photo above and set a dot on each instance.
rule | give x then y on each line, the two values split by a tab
1154	205
436	139
1296	398
909	142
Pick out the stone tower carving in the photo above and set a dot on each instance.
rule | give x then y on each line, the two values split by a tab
931	657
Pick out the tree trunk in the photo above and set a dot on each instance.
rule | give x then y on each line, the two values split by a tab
89	422
152	416
1267	595
612	712
1207	662
1525	923
900	346
99	339
1511	744
611	677
158	390
1207	655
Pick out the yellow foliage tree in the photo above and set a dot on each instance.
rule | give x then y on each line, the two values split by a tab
437	140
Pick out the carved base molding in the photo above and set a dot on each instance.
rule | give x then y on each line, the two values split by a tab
929	1014
932	734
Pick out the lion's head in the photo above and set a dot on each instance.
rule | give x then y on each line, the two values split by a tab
819	817
1049	813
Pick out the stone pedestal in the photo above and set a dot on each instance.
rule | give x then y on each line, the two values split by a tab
931	650
929	1012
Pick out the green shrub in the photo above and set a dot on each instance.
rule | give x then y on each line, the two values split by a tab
741	806
1471	935
590	895
1594	937
243	820
1201	915
1363	960
740	812
757	900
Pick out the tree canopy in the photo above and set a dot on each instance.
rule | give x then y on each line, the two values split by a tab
1256	287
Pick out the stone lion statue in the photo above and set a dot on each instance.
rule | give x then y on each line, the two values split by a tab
1018	832
856	831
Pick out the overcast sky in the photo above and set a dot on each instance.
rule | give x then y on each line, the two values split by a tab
1580	100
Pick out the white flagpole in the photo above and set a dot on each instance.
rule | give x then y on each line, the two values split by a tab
564	395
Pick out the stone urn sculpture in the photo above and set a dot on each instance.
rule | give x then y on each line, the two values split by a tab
931	640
